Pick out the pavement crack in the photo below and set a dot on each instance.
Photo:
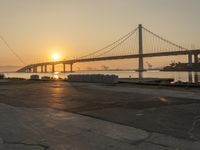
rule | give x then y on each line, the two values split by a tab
190	131
162	124
137	142
158	144
146	140
44	147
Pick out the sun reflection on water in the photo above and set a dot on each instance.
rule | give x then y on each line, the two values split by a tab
56	75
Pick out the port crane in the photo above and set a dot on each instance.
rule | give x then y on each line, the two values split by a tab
149	65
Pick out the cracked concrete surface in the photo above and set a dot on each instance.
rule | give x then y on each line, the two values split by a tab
44	128
21	145
77	116
191	130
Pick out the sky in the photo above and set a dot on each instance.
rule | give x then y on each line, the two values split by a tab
37	28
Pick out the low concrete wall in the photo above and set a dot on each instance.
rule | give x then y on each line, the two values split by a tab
93	78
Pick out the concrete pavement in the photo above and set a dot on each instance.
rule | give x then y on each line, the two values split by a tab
77	116
44	128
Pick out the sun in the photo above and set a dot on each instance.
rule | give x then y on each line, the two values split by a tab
55	57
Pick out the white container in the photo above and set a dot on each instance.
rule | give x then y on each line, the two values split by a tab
93	78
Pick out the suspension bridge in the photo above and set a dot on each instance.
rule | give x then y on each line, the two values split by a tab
139	43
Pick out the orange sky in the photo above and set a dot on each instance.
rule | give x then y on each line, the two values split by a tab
35	29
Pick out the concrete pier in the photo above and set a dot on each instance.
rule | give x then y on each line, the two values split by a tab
190	59
35	69
71	67
42	69
45	68
53	68
64	69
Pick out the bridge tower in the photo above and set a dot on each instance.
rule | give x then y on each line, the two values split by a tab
140	53
141	65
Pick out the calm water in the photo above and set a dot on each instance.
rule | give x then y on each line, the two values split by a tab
177	76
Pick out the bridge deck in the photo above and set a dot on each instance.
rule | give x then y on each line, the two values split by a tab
170	53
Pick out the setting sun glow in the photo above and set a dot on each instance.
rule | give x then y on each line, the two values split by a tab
56	57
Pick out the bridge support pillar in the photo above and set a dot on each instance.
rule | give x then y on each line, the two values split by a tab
42	69
196	77
27	70
64	69
190	60
45	68
35	69
71	67
53	68
190	78
196	59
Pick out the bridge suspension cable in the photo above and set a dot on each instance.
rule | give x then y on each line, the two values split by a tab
12	50
109	47
155	43
128	45
117	44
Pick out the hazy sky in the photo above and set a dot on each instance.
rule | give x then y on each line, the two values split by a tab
37	28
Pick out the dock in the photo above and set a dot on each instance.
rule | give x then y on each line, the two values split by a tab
146	80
